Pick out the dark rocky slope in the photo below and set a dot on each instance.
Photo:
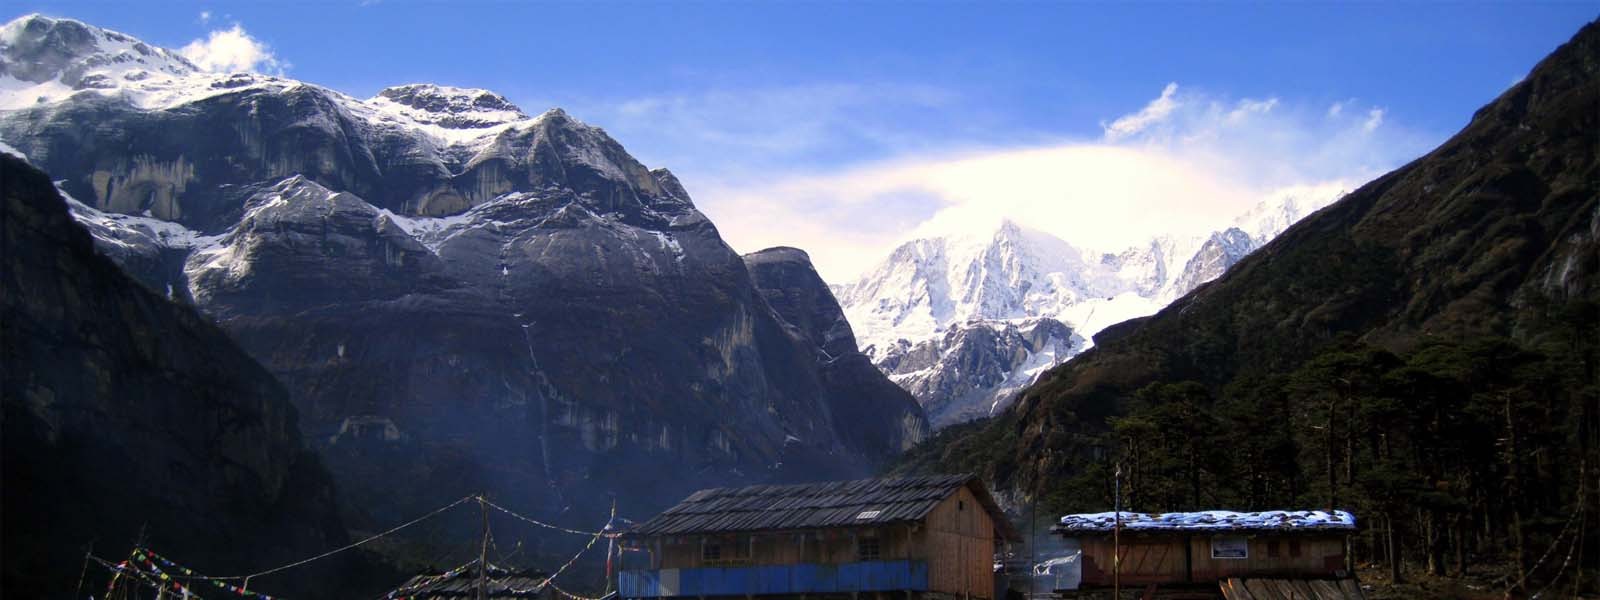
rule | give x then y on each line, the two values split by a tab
866	406
1493	233
458	297
126	415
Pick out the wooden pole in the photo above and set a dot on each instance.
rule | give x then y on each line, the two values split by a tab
1033	536
1116	537
483	553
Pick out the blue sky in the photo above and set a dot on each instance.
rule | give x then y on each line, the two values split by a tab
750	102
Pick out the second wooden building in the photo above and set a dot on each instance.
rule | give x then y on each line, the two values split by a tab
907	537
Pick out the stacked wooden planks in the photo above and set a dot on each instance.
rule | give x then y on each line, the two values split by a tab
1290	589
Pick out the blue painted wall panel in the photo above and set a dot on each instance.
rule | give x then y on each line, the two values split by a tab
774	580
689	581
874	576
639	584
850	577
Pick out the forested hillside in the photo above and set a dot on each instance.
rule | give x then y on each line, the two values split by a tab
1425	352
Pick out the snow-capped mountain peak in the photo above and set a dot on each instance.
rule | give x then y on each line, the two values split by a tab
988	279
464	146
65	55
1002	271
450	107
1286	207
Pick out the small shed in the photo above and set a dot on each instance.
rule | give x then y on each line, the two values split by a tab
899	537
1208	549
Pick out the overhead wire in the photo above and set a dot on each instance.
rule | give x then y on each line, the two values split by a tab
187	574
332	552
550	526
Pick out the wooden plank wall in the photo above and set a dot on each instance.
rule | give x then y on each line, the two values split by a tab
829	546
1319	556
1144	560
1152	559
959	543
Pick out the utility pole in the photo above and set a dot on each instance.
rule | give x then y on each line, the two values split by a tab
1033	537
1116	537
611	544
483	553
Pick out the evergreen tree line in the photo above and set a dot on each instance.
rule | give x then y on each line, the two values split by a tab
1480	455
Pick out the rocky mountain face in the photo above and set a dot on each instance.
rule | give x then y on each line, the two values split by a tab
965	320
1494	233
129	416
974	369
458	297
793	289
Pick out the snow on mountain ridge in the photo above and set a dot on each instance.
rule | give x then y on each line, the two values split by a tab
998	276
52	48
449	107
45	61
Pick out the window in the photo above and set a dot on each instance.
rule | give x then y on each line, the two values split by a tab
1230	547
1272	548
869	549
961	505
711	551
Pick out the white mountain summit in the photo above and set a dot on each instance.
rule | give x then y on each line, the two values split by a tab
966	319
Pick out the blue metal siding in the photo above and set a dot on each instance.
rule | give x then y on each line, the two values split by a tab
872	576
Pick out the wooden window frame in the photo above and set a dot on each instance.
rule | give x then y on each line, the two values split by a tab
863	544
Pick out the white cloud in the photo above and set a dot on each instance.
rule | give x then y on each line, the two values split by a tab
205	17
232	50
1374	119
1154	112
1188	162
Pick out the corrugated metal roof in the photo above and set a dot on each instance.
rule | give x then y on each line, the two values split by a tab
1209	520
816	505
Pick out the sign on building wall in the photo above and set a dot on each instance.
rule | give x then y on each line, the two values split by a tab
1230	547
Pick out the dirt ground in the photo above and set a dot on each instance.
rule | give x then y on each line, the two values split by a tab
1475	585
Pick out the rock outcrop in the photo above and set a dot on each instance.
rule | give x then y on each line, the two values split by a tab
866	407
975	368
127	416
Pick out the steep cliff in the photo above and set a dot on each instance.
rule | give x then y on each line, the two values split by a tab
127	416
884	418
459	297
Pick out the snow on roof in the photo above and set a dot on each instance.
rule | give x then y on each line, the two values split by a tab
1210	520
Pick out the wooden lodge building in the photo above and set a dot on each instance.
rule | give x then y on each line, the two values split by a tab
1218	554
910	537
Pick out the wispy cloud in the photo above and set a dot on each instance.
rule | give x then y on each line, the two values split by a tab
1186	162
1153	113
232	50
756	130
1374	120
205	17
